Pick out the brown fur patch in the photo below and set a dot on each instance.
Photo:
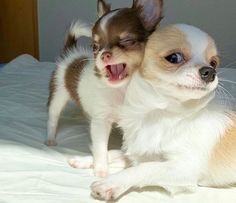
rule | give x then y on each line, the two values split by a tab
72	76
130	26
111	38
211	52
70	42
97	72
138	7
132	57
102	8
52	87
224	153
162	43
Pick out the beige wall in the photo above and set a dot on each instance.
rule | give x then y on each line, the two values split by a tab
217	17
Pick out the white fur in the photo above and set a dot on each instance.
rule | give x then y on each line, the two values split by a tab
115	157
198	39
188	74
79	29
61	95
100	98
100	101
168	140
106	19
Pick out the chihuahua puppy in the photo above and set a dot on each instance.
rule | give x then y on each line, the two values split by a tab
99	84
176	133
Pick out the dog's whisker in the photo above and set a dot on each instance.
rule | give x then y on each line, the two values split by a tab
229	81
227	92
222	71
224	97
230	64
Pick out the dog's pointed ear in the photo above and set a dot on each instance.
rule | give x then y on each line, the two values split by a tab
102	8
149	11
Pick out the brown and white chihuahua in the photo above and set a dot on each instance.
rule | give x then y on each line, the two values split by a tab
99	83
177	133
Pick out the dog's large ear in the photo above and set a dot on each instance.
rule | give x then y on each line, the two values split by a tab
149	11
102	8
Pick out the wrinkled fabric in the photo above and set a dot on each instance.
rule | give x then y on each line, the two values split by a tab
31	172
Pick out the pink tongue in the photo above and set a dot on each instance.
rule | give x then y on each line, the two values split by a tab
116	71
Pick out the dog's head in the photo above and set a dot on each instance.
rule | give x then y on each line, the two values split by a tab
182	60
119	38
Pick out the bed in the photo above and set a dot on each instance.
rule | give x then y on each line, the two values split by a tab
31	172
2	65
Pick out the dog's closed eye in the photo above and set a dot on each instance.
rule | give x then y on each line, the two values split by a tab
128	42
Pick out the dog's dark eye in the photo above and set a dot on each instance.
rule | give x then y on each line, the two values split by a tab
127	43
175	58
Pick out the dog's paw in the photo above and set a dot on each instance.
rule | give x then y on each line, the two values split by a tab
101	171
108	189
81	162
51	142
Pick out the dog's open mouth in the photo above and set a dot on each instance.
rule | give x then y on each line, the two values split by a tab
117	72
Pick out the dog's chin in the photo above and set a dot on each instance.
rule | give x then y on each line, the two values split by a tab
117	84
183	92
186	93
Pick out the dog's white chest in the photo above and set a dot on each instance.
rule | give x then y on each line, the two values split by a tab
151	139
98	100
159	136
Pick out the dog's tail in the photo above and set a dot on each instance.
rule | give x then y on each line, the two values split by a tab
77	30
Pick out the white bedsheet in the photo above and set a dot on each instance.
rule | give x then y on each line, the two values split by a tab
31	172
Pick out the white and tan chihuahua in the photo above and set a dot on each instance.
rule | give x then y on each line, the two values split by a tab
98	84
176	133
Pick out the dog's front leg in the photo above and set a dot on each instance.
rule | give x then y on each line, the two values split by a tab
171	175
100	131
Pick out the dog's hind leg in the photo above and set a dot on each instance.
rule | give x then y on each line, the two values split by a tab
57	103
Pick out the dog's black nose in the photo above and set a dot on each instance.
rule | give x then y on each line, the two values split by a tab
208	74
